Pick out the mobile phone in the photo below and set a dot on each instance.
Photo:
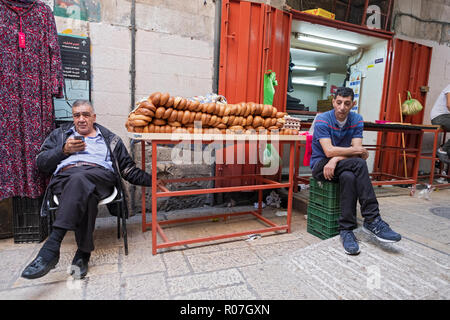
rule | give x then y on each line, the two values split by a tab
79	138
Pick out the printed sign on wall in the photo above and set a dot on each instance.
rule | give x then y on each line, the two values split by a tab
355	84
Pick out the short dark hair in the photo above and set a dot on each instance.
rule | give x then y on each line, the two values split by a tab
81	102
344	92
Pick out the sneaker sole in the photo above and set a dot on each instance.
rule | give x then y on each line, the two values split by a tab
380	239
352	254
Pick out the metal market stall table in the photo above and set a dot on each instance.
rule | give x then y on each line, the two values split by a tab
160	189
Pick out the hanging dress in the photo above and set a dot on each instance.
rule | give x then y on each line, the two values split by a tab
30	75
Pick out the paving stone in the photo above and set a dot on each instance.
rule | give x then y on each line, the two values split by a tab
239	292
140	260
222	260
103	287
209	280
146	287
176	263
55	291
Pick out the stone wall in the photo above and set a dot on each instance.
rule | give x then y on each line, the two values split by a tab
174	53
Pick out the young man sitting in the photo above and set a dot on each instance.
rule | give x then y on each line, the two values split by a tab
338	156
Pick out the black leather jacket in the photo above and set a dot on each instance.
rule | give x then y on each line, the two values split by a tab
51	154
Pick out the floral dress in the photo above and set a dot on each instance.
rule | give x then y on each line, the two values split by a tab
30	75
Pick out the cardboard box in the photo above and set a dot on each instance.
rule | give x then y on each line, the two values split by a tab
321	12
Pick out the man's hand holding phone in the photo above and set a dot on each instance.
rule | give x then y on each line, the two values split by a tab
74	144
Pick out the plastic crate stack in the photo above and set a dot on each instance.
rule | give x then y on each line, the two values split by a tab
323	209
29	226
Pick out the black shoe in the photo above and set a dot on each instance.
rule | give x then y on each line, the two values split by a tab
39	267
79	267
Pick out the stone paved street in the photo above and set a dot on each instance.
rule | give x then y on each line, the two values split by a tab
297	265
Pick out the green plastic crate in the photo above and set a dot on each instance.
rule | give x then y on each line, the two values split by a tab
318	227
326	217
320	233
324	194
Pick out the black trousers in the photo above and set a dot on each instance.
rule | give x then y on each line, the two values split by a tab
79	190
354	182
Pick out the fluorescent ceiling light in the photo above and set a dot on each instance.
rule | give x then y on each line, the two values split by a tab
304	68
326	42
318	83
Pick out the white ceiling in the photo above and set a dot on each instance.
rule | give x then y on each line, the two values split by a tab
325	58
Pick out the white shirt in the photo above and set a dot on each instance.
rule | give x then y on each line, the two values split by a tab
440	106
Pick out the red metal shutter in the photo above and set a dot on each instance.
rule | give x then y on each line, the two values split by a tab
409	70
254	38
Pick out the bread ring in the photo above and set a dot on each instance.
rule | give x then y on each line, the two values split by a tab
273	122
151	128
170	102
227	111
212	120
164	98
225	119
173	116
180	115
159	122
221	110
148	105
198	116
259	109
211	108
204	119
167	113
248	109
186	117
174	124
160	112
168	129
196	106
274	112
176	102
188	104
192	117
208	118
157	129
267	122
231	120
238	110
221	126
155	97
138	129
182	105
138	123
145	112
280	115
257	121
233	109
236	128
249	120
145	129
142	117
243	121
266	111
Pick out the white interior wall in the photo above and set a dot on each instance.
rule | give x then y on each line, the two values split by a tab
371	89
308	95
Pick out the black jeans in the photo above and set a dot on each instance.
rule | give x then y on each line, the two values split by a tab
444	121
354	182
79	190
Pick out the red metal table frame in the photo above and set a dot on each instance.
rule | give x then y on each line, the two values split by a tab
159	189
414	153
436	130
